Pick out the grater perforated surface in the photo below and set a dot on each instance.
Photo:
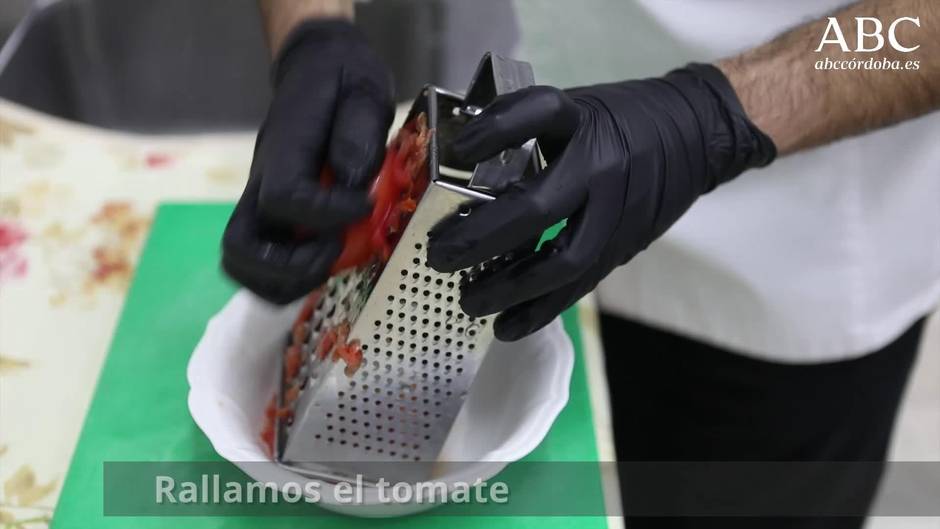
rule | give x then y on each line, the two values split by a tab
420	352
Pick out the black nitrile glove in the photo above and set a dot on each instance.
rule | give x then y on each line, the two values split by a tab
626	160
332	106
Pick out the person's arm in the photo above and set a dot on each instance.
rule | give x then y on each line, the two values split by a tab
800	106
281	16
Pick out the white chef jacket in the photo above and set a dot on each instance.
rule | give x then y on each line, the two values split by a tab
825	255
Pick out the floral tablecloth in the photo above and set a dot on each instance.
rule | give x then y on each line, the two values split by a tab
76	203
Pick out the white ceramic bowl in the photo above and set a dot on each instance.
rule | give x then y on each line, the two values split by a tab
517	394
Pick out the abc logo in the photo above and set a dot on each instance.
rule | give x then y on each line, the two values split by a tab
869	35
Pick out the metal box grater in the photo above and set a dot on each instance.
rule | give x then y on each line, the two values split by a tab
420	351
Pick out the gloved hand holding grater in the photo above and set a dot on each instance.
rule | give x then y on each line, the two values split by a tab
626	160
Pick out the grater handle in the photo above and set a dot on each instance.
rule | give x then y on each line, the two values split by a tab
497	75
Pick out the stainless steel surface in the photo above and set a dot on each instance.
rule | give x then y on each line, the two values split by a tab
420	351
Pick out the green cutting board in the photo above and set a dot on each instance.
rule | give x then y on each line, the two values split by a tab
139	410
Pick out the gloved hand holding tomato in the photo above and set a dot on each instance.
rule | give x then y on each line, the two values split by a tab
332	106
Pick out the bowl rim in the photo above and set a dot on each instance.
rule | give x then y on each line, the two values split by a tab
243	303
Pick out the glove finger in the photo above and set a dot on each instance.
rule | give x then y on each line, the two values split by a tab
522	212
560	261
524	319
270	262
357	143
542	112
293	148
321	209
